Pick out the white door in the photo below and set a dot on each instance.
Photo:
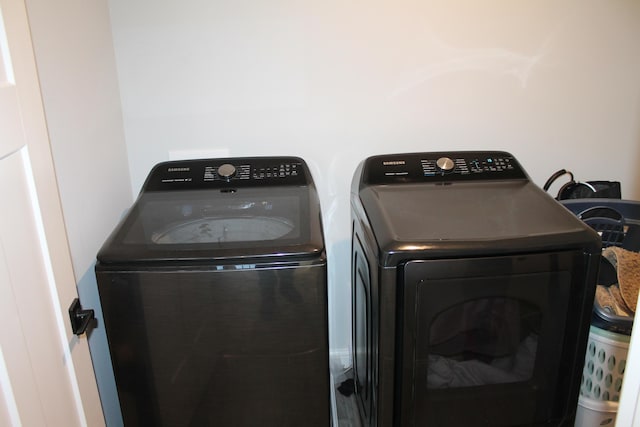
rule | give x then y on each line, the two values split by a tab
46	376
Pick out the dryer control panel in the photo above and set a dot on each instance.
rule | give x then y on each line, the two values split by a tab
227	173
441	167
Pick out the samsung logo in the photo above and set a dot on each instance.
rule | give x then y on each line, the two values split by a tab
178	169
394	163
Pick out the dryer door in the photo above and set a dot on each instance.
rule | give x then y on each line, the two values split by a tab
493	341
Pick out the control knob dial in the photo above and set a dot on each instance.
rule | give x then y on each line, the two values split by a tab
226	171
445	164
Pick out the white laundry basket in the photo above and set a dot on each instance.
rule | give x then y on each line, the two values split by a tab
596	413
604	364
618	223
602	376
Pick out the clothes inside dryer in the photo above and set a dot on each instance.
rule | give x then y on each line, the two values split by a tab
484	341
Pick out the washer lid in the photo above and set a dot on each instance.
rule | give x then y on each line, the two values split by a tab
219	220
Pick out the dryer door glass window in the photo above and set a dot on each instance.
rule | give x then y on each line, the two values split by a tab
483	341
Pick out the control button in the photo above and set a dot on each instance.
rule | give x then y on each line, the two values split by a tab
208	173
428	167
226	171
445	163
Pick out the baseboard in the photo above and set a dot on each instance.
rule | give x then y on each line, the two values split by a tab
340	360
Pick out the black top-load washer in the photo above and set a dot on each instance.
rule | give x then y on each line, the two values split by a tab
472	293
214	297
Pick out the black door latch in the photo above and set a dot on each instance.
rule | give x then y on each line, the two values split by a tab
80	319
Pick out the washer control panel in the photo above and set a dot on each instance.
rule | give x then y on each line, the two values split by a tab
263	171
227	173
441	167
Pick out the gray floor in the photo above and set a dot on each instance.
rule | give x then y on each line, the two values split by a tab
345	406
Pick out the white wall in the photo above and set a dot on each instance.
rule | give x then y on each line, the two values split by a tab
554	82
76	65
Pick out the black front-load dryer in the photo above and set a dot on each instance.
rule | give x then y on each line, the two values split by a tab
214	295
472	293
